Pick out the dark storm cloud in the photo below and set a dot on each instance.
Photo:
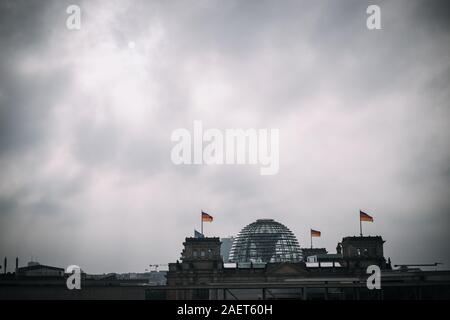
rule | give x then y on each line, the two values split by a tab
26	99
85	124
433	15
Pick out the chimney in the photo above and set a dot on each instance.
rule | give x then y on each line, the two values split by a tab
17	263
5	264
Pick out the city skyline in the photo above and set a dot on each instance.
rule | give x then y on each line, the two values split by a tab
22	263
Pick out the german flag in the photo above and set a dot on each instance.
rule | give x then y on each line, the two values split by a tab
365	217
206	217
315	233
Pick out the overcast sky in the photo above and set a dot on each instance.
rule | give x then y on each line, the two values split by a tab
86	117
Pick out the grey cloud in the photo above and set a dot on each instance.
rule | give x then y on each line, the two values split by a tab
85	134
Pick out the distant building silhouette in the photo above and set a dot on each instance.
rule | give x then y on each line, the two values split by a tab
39	270
226	248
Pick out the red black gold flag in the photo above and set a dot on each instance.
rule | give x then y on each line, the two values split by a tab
365	217
206	217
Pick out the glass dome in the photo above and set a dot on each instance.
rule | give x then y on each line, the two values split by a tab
265	240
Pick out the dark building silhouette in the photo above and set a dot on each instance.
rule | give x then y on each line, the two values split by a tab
361	252
39	270
201	274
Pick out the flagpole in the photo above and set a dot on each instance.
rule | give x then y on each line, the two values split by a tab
360	226
201	219
310	234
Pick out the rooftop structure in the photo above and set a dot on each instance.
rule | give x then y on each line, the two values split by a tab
265	240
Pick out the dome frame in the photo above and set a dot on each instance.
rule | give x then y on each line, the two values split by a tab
265	241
